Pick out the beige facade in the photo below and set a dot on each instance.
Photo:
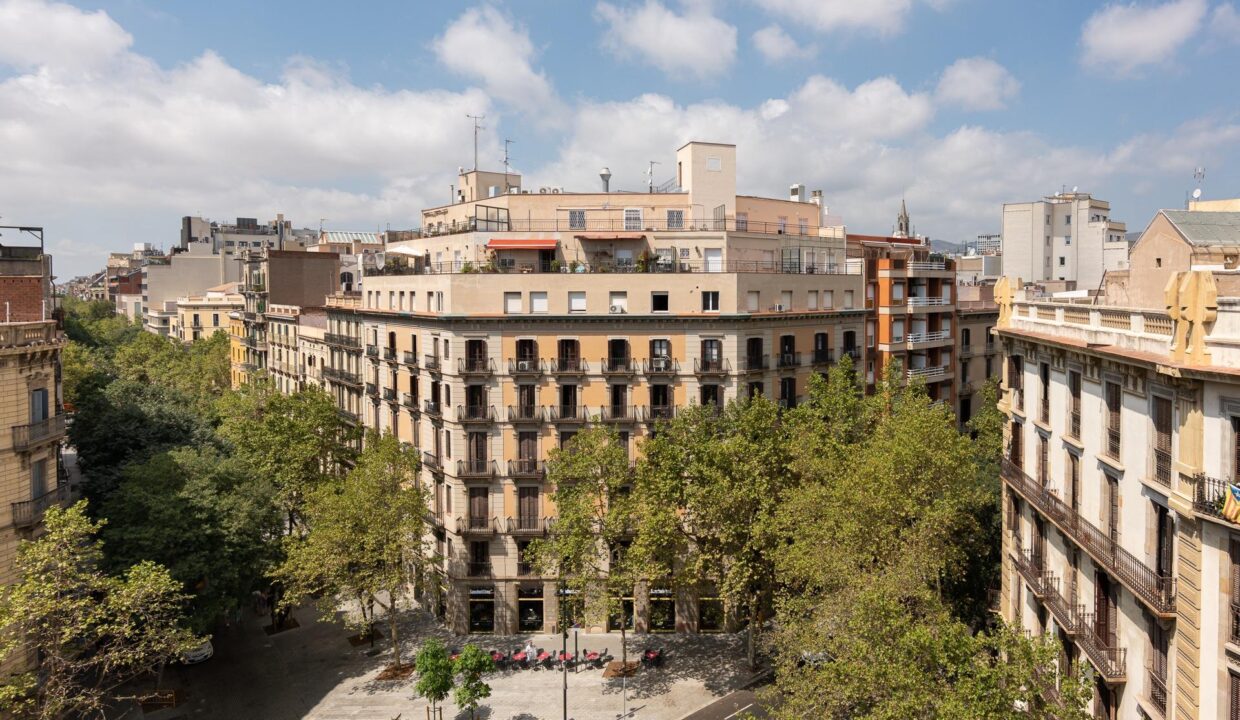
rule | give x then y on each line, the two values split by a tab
1178	240
1123	440
312	351
201	316
1067	236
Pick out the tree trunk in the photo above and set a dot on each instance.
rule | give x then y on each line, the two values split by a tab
395	631
624	646
752	650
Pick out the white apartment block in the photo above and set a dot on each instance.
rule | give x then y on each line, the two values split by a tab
1123	434
1067	236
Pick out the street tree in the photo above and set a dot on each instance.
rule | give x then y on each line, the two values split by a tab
205	516
364	538
591	481
299	441
471	689
435	674
707	494
92	633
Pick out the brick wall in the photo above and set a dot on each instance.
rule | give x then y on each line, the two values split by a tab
24	295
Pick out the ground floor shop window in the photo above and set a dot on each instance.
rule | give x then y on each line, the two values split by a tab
572	609
710	614
530	609
481	609
621	615
441	602
662	610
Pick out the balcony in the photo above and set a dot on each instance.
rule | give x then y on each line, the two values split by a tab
926	338
431	460
472	525
928	302
525	367
661	366
475	367
372	351
345	341
527	468
475	413
523	525
928	374
617	366
431	362
432	408
344	377
757	363
526	413
1162	467
654	413
1158	691
822	357
409	401
854	353
479	569
933	265
1209	496
1044	409
1029	564
1156	591
29	513
710	366
372	390
789	360
475	468
569	414
1110	661
409	358
569	366
30	436
389	354
348	417
389	394
619	413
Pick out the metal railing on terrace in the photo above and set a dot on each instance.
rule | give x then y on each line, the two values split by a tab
677	266
527	525
29	513
35	433
475	413
526	467
928	302
925	372
347	341
923	337
475	468
661	366
621	224
1155	590
653	413
789	360
342	376
526	413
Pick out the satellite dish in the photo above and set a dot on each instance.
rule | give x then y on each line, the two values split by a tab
1074	188
1197	194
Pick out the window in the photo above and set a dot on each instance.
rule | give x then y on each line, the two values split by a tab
1067	220
828	299
785	299
742	221
1162	440
714	164
710	301
538	302
1235	606
897	331
576	302
675	219
512	302
782	223
38	405
1113	395
632	219
1062	261
1157	262
897	292
811	300
576	219
710	395
618	302
658	301
848	299
1067	239
965	337
38	478
753	300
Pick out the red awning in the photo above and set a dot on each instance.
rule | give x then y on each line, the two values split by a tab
610	236
522	244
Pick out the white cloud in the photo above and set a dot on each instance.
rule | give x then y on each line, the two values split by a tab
484	45
1123	38
693	45
33	33
1225	24
777	46
977	83
885	17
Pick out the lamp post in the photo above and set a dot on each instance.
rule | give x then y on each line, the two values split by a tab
564	668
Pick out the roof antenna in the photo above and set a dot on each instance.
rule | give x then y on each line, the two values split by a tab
650	175
507	164
477	127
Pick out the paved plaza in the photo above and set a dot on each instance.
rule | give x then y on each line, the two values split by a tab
314	672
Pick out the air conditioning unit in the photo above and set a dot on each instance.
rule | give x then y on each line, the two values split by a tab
543	190
661	363
525	365
557	190
778	308
617	310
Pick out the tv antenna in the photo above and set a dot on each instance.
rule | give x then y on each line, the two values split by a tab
477	127
507	164
650	175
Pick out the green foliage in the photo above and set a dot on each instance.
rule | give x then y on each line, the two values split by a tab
434	672
365	536
707	497
93	632
471	689
202	515
299	441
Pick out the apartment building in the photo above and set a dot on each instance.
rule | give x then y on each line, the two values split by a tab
312	350
516	318
284	347
201	316
976	349
31	414
1123	445
290	279
1068	237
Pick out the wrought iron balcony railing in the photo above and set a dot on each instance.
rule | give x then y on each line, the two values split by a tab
569	366
475	468
526	413
475	366
34	434
569	413
710	366
475	413
29	513
619	413
525	367
653	413
661	366
527	525
476	525
617	365
757	363
526	468
789	360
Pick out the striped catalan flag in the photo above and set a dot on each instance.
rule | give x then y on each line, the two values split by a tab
1231	503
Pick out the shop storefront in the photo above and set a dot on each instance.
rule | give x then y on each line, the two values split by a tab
530	609
572	609
621	615
710	614
482	609
662	610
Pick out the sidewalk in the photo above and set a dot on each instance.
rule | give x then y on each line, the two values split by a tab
313	672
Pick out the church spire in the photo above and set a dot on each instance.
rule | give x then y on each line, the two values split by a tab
903	227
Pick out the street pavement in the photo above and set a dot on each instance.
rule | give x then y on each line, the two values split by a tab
734	706
313	672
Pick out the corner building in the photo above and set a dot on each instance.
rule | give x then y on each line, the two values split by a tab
517	318
1123	439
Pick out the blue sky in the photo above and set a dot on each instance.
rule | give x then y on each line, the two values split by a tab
120	117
